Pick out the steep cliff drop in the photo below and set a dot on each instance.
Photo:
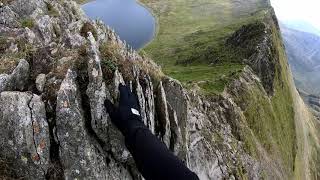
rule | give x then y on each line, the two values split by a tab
57	68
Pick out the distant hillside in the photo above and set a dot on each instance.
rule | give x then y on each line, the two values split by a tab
304	57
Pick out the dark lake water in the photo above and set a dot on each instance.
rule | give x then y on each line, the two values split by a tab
131	21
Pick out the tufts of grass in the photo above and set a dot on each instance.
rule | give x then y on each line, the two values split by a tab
27	22
52	11
110	57
3	44
212	79
82	1
108	50
7	64
88	27
9	60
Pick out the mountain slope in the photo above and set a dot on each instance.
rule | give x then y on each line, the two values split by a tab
58	67
304	57
191	36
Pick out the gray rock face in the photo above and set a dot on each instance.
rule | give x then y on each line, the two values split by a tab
40	82
80	158
96	91
81	154
29	35
8	17
178	100
24	8
146	98
75	40
24	136
46	28
163	115
150	103
17	79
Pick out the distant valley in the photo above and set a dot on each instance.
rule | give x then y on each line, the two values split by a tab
304	58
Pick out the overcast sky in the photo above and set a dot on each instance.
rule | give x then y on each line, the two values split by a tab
306	10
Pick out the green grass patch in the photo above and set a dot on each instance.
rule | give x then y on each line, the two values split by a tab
212	79
271	119
27	22
191	46
193	33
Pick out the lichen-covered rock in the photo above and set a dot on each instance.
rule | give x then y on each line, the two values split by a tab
19	76
141	99
150	103
80	158
117	80
24	8
40	82
24	135
163	115
8	17
177	98
75	40
17	80
46	28
96	91
29	35
176	142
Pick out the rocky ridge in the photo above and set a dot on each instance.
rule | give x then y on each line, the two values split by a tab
58	67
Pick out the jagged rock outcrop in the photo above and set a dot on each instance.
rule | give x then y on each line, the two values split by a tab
80	158
17	79
256	40
24	135
40	82
53	103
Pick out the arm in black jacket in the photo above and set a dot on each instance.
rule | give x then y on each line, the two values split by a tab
152	157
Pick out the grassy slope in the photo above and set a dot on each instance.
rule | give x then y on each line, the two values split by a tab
272	119
183	35
307	163
191	35
191	28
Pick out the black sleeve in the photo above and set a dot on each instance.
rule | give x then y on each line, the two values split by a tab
154	160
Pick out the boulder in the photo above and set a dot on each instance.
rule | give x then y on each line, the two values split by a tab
24	135
40	82
17	80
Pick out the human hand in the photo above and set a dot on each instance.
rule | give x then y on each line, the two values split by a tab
127	116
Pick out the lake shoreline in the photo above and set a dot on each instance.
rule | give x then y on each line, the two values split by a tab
136	43
157	24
